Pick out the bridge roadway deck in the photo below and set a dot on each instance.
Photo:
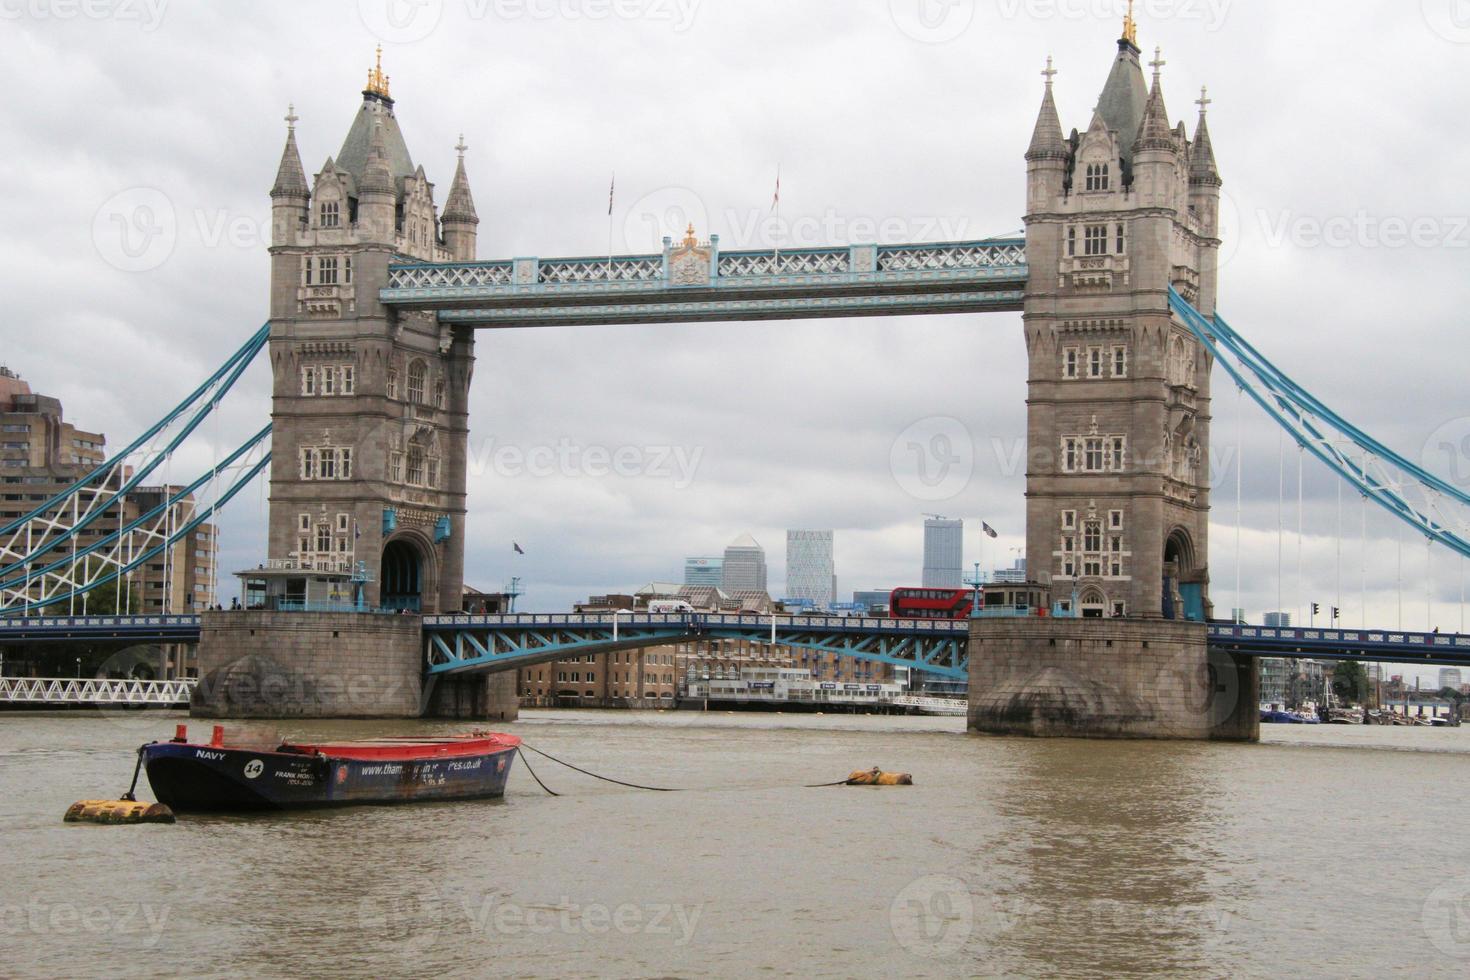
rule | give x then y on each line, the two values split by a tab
459	642
696	281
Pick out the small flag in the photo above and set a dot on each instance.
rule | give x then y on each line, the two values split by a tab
518	548
356	530
776	200
989	530
612	186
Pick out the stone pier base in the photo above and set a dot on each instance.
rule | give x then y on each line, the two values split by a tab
261	664
1108	678
477	697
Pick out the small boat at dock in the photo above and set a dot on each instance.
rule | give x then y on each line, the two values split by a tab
218	776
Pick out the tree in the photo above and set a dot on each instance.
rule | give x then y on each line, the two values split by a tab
101	601
1350	682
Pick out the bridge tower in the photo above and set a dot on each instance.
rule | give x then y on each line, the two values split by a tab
1117	486
1118	492
370	408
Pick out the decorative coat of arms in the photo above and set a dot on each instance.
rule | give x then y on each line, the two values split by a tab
689	262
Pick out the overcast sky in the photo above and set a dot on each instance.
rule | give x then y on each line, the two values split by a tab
888	120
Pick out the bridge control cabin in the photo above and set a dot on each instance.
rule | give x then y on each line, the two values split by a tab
290	586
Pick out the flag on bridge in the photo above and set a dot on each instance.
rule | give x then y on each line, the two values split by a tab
988	530
612	185
518	548
776	200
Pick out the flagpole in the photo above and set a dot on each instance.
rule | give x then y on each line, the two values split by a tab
611	187
776	250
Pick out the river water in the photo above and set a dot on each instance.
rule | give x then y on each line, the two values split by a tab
1323	851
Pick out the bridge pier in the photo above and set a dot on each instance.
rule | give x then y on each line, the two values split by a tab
1108	678
264	664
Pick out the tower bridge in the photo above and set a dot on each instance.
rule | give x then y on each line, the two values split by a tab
375	299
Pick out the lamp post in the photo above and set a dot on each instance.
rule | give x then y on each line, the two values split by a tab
79	668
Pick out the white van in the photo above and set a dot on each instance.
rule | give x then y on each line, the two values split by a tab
670	606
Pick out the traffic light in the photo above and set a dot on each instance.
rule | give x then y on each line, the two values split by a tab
1316	609
1336	614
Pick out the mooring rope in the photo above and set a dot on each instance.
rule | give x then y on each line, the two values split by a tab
527	763
128	796
609	779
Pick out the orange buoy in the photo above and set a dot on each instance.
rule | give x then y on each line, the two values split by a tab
117	811
877	777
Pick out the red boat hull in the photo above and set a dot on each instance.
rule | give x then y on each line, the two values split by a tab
193	778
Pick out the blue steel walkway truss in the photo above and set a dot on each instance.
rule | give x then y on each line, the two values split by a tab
463	643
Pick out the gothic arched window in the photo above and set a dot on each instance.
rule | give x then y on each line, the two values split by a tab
416	374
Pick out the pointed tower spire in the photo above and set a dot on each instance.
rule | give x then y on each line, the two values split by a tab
1202	167
376	177
1046	140
1154	133
460	205
459	219
290	177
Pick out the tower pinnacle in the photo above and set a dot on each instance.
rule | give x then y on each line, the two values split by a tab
377	83
1130	26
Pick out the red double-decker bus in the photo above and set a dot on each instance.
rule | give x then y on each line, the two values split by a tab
931	603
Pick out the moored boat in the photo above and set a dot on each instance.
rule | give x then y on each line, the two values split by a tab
187	776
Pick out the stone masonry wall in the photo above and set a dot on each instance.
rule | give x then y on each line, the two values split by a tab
309	665
1104	678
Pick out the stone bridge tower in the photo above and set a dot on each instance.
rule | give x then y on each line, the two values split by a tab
370	408
1117	484
1118	491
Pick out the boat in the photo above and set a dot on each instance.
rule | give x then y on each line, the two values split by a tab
188	776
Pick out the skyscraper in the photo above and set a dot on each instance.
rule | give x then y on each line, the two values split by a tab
704	571
944	553
809	571
745	566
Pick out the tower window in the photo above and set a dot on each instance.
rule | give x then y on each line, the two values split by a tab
1117	453
1071	244
1097	177
1120	362
1069	455
1122	241
306	271
308	381
438	394
1096	240
416	373
327	271
1094	461
347	379
416	467
1069	362
1094	362
347	269
331	214
392	383
1069	518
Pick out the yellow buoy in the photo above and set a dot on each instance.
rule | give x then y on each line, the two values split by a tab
117	811
877	777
